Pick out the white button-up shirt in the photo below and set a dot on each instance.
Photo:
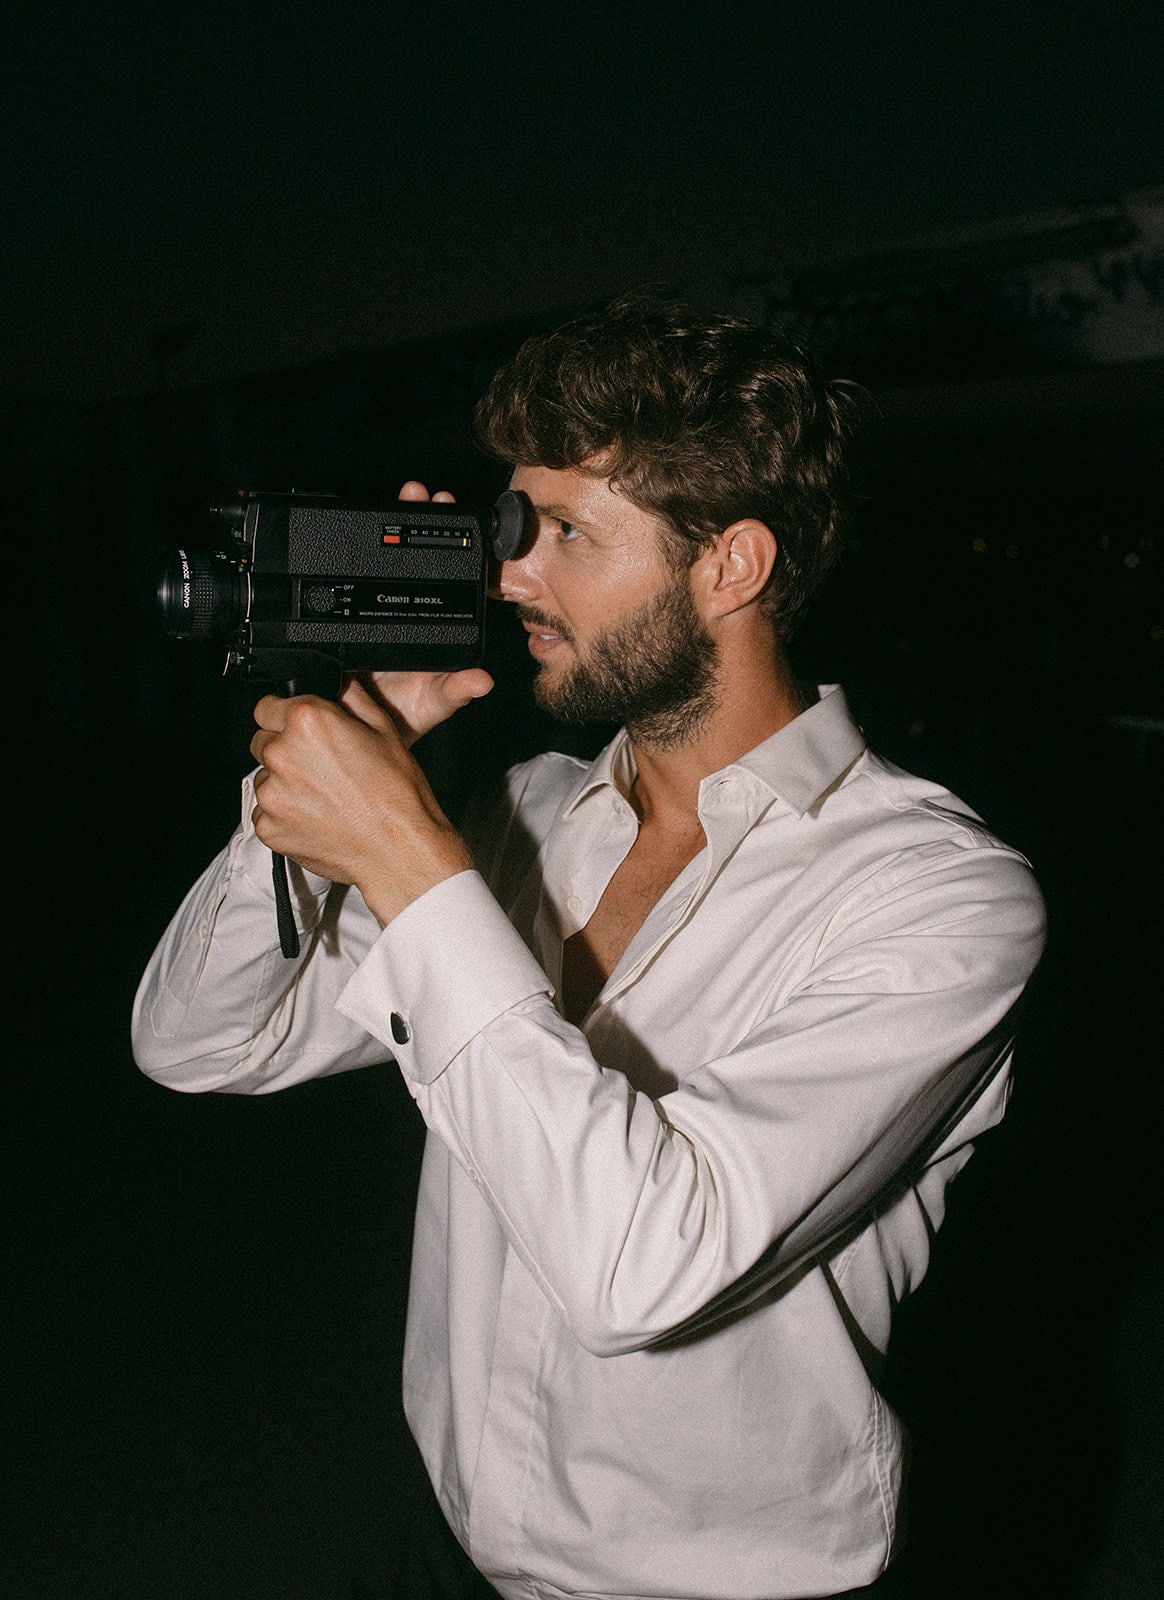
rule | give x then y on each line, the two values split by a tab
656	1257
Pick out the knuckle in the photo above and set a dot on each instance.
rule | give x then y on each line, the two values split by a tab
304	715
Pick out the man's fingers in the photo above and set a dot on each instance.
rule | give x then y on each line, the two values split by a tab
418	701
356	700
415	490
271	713
303	715
470	684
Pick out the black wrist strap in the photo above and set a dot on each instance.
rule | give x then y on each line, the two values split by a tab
284	916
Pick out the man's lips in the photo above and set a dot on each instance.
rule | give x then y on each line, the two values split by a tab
544	636
543	641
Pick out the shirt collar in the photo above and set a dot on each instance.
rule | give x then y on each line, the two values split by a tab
797	764
612	768
806	757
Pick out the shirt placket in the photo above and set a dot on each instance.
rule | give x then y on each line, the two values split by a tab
575	877
729	808
589	849
508	1457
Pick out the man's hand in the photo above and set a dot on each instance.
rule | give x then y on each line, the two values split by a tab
418	701
339	793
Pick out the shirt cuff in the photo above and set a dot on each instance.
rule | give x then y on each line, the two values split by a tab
440	972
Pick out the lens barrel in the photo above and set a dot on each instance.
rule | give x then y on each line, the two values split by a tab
201	595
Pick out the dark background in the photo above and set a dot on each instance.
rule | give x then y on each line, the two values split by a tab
248	247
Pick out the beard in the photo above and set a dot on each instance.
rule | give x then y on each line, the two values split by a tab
655	671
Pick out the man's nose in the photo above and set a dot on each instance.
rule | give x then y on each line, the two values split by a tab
515	579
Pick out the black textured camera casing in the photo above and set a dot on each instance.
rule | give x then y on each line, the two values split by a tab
308	587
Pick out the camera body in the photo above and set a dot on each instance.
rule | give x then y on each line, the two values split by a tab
306	587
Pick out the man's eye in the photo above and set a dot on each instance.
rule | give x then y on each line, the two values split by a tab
569	531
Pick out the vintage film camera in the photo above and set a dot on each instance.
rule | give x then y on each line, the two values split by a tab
307	587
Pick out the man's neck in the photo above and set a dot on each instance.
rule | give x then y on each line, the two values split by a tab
753	702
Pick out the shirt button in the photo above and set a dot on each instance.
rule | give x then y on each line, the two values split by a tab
401	1032
573	905
474	1174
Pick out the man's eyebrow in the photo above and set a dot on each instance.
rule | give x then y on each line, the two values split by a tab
557	512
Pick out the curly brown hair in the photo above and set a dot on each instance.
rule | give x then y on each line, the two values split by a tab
699	419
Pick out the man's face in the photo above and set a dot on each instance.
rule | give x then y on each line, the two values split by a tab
610	618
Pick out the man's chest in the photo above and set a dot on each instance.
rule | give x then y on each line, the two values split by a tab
590	955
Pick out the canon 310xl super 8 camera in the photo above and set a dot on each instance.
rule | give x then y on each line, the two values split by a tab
307	587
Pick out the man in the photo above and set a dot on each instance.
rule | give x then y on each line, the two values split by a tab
700	1032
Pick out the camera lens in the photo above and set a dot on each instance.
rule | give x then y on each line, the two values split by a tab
201	594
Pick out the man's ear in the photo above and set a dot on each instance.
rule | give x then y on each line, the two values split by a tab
732	572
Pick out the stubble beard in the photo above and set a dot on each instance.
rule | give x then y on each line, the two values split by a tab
655	671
